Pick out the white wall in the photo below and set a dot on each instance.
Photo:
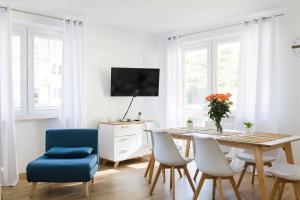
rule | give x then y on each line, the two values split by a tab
105	47
111	47
288	29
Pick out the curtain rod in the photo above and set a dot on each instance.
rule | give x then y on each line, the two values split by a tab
226	26
38	14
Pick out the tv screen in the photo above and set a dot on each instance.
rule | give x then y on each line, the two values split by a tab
134	81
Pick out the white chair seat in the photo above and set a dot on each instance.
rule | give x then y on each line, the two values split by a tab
184	161
285	171
249	157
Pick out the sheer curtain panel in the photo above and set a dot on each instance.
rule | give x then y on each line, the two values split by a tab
257	100
174	86
8	160
73	108
257	76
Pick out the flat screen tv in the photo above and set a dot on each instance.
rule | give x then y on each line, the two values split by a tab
134	81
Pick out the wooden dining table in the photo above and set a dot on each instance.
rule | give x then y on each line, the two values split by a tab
257	142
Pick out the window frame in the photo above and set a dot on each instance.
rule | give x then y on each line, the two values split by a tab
212	79
29	31
196	46
22	32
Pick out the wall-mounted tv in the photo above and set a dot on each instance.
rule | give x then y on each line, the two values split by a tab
134	81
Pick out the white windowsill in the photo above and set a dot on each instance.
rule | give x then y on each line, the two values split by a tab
35	117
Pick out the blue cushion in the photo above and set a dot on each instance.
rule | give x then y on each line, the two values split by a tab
69	152
46	169
72	138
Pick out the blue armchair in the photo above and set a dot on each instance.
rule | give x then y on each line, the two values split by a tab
57	170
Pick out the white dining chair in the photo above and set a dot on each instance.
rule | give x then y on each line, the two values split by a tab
248	157
225	149
166	153
150	167
211	161
285	173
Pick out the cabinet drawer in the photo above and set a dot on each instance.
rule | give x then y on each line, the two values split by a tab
127	142
123	154
131	129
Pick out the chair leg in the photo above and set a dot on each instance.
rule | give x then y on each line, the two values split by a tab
235	189
173	183
170	178
151	169
274	189
179	172
214	188
220	189
281	188
156	178
196	174
148	167
199	187
298	186
1	193
164	175
253	174
186	171
86	189
296	191
33	186
93	180
242	174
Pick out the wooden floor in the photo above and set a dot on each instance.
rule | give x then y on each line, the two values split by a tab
128	183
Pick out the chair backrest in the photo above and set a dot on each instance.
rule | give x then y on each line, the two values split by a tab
209	157
72	138
164	148
151	126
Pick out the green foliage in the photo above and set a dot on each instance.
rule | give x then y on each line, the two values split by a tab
189	121
217	110
248	124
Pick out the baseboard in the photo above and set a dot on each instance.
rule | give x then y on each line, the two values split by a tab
23	176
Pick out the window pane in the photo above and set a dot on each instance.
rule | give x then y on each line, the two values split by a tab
16	71
47	73
227	69
196	86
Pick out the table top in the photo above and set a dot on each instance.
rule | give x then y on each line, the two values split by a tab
231	136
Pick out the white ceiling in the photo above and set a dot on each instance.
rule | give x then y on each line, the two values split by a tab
156	16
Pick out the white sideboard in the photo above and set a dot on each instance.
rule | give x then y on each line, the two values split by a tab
119	141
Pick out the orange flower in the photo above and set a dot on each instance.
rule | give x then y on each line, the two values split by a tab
210	97
221	97
228	95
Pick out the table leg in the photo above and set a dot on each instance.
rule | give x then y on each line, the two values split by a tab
289	153
116	164
260	172
187	148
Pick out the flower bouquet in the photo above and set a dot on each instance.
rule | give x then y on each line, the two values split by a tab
219	107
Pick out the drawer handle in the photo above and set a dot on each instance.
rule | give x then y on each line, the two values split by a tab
124	139
124	126
123	151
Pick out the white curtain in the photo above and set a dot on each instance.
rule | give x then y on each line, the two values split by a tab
8	160
257	79
257	76
174	86
73	108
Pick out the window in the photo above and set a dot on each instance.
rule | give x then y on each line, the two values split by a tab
227	68
209	67
16	70
37	66
47	74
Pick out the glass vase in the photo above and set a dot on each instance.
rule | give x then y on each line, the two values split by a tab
218	127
